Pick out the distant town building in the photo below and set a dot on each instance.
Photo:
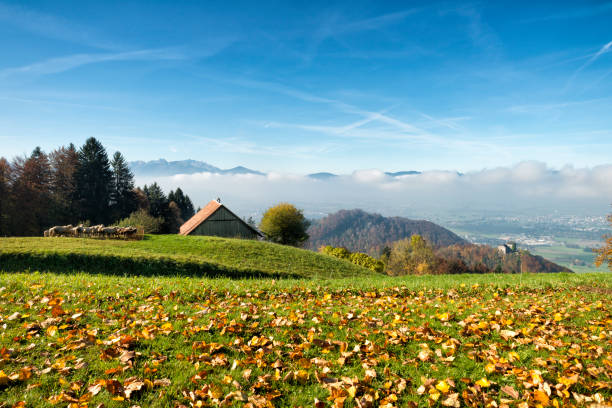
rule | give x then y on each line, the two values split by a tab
507	248
215	219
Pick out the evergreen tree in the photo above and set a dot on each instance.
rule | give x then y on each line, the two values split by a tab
172	219
158	202
64	162
123	197
183	202
6	199
94	182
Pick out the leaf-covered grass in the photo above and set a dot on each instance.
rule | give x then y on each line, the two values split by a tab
428	341
171	255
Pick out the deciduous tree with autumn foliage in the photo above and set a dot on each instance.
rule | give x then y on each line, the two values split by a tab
605	252
285	224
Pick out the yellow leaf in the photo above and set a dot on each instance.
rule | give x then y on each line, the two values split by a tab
483	382
541	397
302	376
3	378
434	394
443	387
443	317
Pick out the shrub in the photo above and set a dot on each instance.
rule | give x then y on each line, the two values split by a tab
367	261
356	258
141	218
339	252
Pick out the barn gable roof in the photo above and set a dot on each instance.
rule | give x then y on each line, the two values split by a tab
202	215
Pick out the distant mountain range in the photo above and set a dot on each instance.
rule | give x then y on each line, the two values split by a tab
162	167
359	231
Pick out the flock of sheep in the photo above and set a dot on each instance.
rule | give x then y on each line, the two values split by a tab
97	231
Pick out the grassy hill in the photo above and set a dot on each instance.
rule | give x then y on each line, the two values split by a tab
171	255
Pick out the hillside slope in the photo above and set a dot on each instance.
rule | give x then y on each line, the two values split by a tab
359	231
171	255
483	258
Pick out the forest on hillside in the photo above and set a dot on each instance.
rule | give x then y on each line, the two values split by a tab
484	258
359	231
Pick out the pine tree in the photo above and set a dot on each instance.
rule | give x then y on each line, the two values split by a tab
172	219
158	202
123	197
183	202
94	182
64	163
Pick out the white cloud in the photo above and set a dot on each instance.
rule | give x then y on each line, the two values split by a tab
61	64
528	186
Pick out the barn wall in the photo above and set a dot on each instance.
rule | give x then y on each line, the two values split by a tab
223	224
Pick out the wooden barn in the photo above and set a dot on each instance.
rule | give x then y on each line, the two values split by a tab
217	220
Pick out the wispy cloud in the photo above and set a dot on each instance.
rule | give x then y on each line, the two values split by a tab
606	48
543	107
480	33
243	146
334	26
51	26
61	64
593	57
59	103
387	127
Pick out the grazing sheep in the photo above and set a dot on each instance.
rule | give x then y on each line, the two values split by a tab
76	231
60	230
109	231
91	232
88	231
127	232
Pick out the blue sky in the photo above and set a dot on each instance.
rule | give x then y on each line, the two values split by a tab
319	87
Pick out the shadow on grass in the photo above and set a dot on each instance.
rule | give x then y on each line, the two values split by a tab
126	266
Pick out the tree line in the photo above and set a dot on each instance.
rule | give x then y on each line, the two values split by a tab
416	256
82	186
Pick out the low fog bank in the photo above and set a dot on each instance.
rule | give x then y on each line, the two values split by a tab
529	188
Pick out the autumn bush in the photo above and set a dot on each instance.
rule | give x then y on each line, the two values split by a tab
356	258
338	252
142	218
